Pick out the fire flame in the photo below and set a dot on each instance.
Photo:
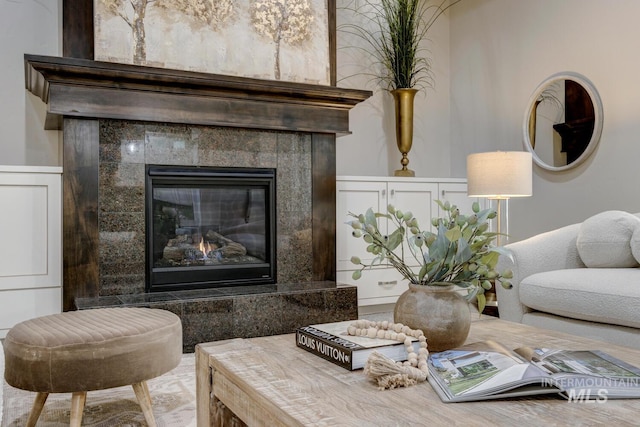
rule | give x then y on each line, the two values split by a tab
204	247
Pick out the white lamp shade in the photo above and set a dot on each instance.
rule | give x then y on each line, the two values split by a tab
499	174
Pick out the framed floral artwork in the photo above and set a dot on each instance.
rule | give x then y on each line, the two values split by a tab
268	39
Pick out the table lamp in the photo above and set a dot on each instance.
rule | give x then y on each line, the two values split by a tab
500	175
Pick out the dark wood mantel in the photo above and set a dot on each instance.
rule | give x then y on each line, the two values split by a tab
74	87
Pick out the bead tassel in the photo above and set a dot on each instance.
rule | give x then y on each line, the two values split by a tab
386	372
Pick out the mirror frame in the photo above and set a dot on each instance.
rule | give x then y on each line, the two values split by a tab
598	119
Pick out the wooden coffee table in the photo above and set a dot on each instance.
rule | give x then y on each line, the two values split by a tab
268	381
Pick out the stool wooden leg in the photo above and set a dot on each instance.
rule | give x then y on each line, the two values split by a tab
77	407
144	399
36	409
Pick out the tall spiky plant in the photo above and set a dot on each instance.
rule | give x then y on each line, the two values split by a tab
394	30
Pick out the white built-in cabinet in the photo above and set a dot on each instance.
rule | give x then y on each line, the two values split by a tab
31	247
383	284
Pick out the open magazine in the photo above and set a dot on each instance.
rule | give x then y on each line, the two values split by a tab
488	370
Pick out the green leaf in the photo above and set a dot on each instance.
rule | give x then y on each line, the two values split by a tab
423	272
395	239
433	267
439	275
378	260
483	215
438	249
467	233
464	253
370	218
490	259
453	234
482	302
356	274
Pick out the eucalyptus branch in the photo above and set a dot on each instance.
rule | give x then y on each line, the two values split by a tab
455	254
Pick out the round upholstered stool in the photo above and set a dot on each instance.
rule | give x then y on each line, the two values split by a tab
79	351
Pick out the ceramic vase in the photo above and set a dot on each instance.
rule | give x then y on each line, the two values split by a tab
439	311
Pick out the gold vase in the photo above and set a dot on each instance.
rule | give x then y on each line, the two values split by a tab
403	99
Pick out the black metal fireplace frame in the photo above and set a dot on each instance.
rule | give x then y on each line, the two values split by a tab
159	279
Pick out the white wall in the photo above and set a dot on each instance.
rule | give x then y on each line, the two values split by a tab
371	148
501	50
26	26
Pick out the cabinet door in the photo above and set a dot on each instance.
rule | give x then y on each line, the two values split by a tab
356	197
417	197
30	256
456	194
32	225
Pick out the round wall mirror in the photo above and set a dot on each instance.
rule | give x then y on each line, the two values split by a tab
563	121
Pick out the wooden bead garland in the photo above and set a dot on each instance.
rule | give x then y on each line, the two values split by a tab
387	372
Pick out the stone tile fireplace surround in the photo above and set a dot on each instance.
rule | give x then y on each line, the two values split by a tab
118	118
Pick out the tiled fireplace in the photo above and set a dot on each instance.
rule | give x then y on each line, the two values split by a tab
125	150
119	119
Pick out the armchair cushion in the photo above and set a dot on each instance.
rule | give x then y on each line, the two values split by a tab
603	295
604	240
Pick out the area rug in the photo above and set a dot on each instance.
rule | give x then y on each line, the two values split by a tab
173	396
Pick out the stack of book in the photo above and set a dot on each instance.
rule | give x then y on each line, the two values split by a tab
331	342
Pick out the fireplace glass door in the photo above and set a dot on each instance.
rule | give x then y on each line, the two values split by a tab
209	227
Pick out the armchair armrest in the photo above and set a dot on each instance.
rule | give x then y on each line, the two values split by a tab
553	250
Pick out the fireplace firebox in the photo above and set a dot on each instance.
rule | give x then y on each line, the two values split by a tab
209	227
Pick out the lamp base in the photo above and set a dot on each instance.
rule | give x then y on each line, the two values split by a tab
404	172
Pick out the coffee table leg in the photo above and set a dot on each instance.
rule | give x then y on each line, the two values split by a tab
221	416
210	410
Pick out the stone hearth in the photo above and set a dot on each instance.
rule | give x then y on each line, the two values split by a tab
243	311
117	118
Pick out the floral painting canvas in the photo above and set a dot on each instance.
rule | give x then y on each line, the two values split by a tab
268	39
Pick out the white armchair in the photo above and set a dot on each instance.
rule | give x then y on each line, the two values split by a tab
553	288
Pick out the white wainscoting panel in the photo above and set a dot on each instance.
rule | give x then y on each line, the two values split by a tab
31	247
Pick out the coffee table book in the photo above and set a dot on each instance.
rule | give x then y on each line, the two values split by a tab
488	370
331	342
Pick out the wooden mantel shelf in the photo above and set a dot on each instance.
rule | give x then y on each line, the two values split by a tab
84	88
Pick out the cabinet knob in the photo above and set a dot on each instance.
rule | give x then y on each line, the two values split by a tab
393	192
384	193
